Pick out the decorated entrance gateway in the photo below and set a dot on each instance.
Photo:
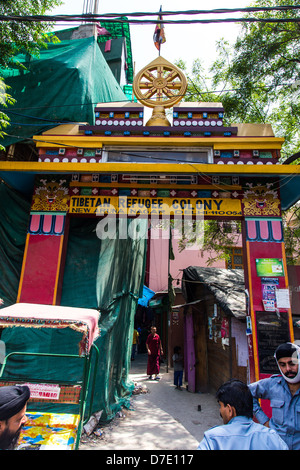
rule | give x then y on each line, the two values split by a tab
184	163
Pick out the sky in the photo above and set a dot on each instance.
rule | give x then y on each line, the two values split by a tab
186	42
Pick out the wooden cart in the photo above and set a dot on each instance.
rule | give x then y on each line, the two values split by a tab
49	429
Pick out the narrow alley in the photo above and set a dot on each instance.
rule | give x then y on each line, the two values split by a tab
160	418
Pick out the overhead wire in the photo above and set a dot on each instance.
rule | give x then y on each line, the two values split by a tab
202	12
227	90
131	17
8	111
93	18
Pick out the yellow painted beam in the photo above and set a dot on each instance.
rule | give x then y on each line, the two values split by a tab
170	168
218	143
247	144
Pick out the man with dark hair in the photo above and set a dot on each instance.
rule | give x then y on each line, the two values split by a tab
13	400
239	431
283	391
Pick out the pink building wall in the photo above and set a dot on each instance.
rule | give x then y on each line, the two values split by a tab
159	260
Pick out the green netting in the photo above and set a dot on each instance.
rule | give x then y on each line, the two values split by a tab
104	274
120	30
107	274
63	85
116	30
14	210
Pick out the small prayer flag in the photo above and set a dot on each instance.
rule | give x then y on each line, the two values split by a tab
159	33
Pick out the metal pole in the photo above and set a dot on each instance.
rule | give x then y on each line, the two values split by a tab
96	3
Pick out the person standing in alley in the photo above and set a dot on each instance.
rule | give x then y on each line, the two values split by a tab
135	342
154	349
178	367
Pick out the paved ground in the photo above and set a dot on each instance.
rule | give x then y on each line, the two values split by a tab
161	419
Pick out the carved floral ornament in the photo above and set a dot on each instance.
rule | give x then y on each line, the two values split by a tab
51	194
261	200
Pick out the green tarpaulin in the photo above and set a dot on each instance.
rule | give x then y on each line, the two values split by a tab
116	31
104	274
14	219
107	274
63	85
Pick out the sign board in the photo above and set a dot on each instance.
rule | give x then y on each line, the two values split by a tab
44	391
272	267
101	205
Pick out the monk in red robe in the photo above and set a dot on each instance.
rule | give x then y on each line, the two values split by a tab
154	348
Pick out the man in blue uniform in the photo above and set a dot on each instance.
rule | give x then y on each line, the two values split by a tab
239	431
283	391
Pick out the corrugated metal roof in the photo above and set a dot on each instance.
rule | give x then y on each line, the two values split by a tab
226	285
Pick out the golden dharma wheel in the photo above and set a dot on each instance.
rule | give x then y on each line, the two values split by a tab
159	85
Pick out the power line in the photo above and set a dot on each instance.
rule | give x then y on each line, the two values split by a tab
7	111
265	88
123	17
283	8
52	121
203	12
92	19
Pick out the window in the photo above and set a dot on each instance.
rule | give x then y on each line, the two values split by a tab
236	259
153	155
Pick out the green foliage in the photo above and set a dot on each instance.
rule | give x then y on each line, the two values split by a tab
17	37
198	88
257	79
27	37
217	240
291	221
262	73
5	99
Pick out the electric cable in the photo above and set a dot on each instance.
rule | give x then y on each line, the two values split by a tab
203	12
227	90
124	17
93	19
51	121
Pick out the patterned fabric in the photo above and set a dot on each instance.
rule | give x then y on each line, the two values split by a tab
54	316
44	430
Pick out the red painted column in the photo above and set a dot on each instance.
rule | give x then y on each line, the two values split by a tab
44	255
43	261
269	323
